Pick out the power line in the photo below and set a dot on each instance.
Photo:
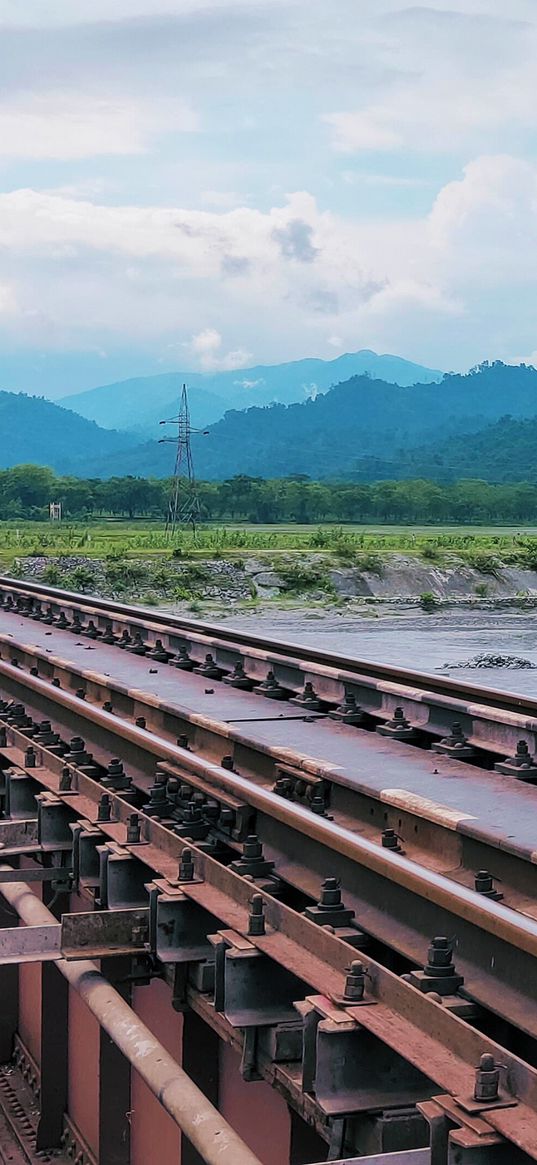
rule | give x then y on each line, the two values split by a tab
184	504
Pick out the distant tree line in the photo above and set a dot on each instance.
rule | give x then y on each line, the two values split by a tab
26	490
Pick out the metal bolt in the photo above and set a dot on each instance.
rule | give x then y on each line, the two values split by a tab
182	741
107	706
104	811
256	917
30	758
80	693
66	781
390	840
283	787
186	866
192	813
440	957
76	744
330	893
183	660
227	763
133	829
484	882
487	1079
141	722
355	982
317	804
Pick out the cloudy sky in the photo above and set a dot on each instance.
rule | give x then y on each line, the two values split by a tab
212	184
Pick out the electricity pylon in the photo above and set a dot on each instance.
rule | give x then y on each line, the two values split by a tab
184	505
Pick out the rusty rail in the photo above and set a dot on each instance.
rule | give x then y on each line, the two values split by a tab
217	633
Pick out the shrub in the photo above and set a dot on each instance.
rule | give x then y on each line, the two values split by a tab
300	578
371	563
430	551
483	562
428	601
52	574
481	590
81	578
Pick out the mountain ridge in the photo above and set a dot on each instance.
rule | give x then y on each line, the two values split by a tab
359	418
139	403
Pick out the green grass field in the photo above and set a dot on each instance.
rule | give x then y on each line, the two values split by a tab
148	539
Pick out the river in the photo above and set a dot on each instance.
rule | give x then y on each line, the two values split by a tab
415	640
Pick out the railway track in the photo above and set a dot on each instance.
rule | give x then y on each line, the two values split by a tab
276	856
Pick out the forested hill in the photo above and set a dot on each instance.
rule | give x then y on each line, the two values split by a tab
33	429
331	435
505	451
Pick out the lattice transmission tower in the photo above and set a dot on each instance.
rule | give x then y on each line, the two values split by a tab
184	505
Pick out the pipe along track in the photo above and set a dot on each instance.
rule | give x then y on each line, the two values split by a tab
402	1016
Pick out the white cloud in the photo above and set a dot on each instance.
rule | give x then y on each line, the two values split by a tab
364	130
206	347
488	222
68	124
446	77
103	274
8	300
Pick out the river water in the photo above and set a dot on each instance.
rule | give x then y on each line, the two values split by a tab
414	640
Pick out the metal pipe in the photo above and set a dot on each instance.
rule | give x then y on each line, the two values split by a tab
216	1142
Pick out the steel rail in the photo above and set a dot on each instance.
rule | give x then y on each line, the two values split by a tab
514	928
209	1132
496	972
441	1045
290	652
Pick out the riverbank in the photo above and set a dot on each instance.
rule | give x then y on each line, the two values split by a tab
368	586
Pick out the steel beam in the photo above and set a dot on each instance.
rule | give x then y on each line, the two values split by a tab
114	1079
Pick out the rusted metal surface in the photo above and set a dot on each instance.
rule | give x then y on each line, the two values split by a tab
457	797
150	1124
492	721
235	924
212	636
461	908
286	921
216	1140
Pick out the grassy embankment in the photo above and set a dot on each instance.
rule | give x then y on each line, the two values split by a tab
138	562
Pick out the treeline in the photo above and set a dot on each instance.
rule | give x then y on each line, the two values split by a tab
27	490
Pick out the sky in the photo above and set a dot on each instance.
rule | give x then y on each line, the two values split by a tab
215	184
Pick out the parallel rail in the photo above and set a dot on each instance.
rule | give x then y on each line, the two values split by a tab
493	722
400	902
432	1038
